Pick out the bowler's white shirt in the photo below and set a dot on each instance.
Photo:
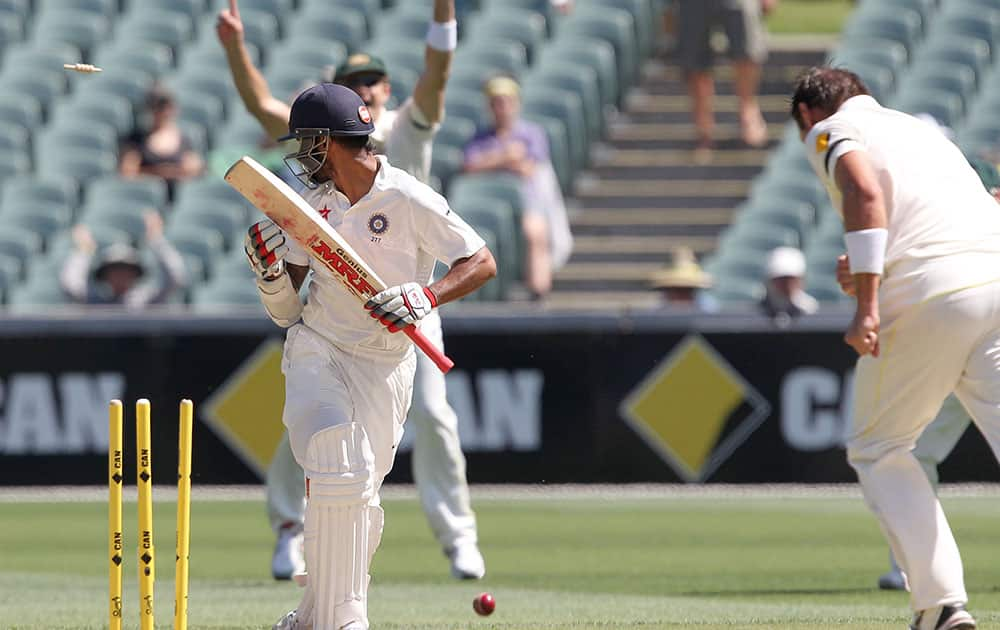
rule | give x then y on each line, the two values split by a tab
400	228
944	227
405	136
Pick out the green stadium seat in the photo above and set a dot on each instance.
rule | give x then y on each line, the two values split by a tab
20	243
227	220
241	130
454	132
80	165
403	25
370	9
147	190
40	191
20	8
645	20
233	265
276	8
575	78
81	29
124	217
895	23
467	104
497	217
44	89
399	53
502	22
259	28
189	8
202	109
38	294
196	240
107	110
207	190
169	28
45	221
13	137
467	190
924	8
983	27
207	53
613	26
153	58
33	55
789	214
566	107
14	164
592	53
886	53
346	26
11	272
20	109
103	8
446	162
879	79
971	53
946	107
224	295
287	80
129	83
492	57
959	79
309	57
93	137
11	28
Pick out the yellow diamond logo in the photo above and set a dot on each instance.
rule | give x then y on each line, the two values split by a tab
694	409
245	412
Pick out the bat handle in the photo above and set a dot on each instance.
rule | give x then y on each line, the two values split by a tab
434	353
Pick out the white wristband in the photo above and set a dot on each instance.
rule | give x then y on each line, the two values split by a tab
866	250
443	36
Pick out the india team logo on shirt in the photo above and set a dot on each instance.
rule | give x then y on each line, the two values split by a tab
378	224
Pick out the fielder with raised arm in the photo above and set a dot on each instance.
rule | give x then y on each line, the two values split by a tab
348	377
923	244
405	136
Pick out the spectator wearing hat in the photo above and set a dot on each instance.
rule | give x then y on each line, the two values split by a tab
682	284
518	146
120	270
160	147
785	298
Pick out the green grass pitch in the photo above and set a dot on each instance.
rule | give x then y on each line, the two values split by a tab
572	562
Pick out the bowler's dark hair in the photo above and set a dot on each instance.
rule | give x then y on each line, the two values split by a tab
356	143
825	88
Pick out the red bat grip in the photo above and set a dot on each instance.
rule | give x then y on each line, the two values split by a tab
434	353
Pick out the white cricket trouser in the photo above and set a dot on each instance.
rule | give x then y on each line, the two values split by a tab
326	386
941	436
950	343
438	462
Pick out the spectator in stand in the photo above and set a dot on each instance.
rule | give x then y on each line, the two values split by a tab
120	269
517	146
160	147
697	20
683	283
785	298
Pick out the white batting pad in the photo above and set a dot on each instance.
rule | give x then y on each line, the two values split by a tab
339	464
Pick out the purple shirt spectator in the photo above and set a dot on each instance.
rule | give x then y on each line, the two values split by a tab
530	135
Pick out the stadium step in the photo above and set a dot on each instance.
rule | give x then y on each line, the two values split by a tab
573	300
645	195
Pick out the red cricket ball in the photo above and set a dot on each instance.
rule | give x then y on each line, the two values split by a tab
484	604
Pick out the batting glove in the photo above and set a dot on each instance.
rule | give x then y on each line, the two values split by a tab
266	248
398	307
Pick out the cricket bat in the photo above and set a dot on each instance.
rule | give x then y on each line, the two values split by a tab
303	223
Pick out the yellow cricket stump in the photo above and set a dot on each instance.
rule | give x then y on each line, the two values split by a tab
144	481
183	514
115	515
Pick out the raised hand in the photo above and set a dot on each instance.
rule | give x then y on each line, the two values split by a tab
229	26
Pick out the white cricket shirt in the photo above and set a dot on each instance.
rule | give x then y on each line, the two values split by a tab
400	228
944	227
405	136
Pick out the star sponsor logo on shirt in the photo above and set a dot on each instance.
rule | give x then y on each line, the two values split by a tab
325	212
822	142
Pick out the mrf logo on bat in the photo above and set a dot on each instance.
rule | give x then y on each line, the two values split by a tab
337	260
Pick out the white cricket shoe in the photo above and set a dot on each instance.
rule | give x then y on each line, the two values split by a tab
290	622
893	580
289	553
466	562
954	617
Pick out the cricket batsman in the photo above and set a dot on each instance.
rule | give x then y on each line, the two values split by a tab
348	376
923	250
405	135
